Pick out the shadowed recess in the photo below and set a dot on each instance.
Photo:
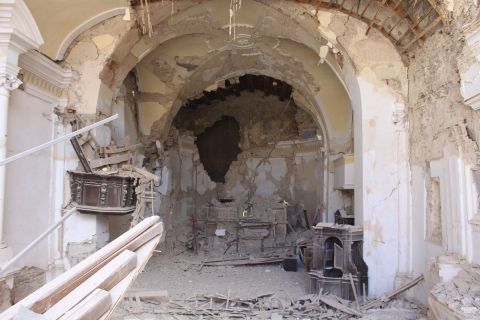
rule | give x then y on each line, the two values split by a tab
218	147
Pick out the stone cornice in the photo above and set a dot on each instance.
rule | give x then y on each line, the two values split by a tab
41	67
41	88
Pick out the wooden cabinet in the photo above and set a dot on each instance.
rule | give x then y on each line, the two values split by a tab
101	194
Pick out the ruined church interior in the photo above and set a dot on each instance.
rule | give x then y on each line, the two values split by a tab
240	159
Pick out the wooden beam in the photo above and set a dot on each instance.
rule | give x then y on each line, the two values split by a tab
366	7
114	150
401	17
337	305
144	253
53	291
422	18
414	26
382	26
392	294
92	307
440	11
355	3
373	19
361	18
144	172
105	278
97	163
423	32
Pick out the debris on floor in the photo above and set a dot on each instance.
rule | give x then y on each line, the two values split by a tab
267	306
187	286
460	296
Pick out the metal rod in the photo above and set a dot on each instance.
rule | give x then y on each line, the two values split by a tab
55	141
37	240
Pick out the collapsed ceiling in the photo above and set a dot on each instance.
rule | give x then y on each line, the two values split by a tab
403	22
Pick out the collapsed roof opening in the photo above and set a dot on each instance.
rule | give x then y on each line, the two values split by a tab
251	111
218	147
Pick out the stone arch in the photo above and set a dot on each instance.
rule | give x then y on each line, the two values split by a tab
375	84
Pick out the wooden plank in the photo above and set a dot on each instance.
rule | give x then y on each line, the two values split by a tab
142	171
105	278
92	307
56	289
114	150
366	7
392	294
352	283
356	3
146	293
384	22
81	156
132	245
148	235
440	9
340	307
423	32
143	255
247	262
97	163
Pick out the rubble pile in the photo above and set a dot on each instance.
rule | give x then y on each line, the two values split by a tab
462	294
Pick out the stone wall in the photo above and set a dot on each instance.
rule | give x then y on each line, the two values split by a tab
276	163
443	150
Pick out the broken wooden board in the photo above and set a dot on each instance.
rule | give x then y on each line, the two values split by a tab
246	262
81	156
142	171
114	150
97	163
392	294
337	305
141	294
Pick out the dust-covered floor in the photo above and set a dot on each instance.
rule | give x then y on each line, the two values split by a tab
183	288
183	277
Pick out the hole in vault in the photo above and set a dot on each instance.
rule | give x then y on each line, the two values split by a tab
218	147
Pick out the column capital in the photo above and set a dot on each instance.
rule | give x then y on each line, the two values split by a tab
9	82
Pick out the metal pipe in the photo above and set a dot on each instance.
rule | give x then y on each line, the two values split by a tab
55	141
37	240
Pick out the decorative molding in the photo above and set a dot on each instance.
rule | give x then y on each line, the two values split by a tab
40	88
44	78
470	78
43	68
9	82
17	25
84	27
18	34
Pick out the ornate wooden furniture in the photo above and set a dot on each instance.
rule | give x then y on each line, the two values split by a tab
102	194
337	253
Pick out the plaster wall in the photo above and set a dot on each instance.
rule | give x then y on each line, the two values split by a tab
28	199
275	162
